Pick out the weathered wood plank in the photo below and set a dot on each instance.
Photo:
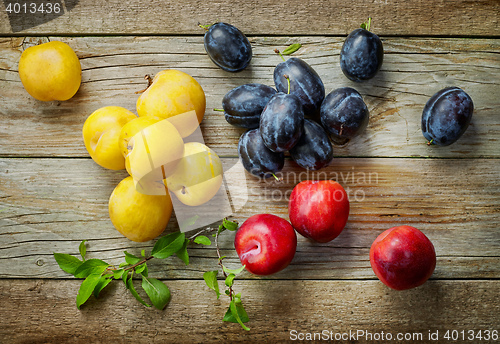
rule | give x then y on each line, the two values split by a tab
113	69
295	17
275	309
49	205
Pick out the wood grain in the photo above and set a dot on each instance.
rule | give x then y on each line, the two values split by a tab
44	311
293	17
50	205
114	67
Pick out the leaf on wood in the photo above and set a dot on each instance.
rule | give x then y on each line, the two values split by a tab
236	313
130	286
83	249
182	254
117	274
210	278
91	266
67	262
168	245
291	49
140	268
203	240
230	279
86	289
103	282
230	225
233	271
157	291
131	259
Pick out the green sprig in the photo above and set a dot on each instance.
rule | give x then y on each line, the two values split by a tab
98	274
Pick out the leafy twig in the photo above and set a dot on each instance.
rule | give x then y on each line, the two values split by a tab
236	312
98	274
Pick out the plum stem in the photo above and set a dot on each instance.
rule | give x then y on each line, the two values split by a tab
150	82
220	110
279	53
288	81
277	178
206	27
367	25
430	143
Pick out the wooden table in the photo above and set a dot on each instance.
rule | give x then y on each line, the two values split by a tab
52	195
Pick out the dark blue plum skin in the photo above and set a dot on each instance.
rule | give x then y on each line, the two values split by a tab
244	104
228	47
282	122
361	55
446	116
305	83
256	158
314	149
344	114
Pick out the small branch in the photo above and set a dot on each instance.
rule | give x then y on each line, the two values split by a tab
207	230
132	266
231	292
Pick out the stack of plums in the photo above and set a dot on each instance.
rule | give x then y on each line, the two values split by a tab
297	118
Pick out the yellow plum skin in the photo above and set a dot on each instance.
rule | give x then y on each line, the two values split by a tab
101	133
50	71
198	175
173	93
132	128
154	153
137	216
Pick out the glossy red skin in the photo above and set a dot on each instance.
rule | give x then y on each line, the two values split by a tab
403	257
265	244
319	209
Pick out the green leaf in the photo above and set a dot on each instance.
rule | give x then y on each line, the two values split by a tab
291	49
182	254
130	286
168	245
236	314
143	253
117	274
83	249
103	282
122	264
131	259
158	292
203	240
86	289
67	262
210	278
89	267
146	271
230	225
139	269
233	271
125	278
221	258
230	279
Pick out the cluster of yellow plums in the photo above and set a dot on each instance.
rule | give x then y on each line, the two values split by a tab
154	147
